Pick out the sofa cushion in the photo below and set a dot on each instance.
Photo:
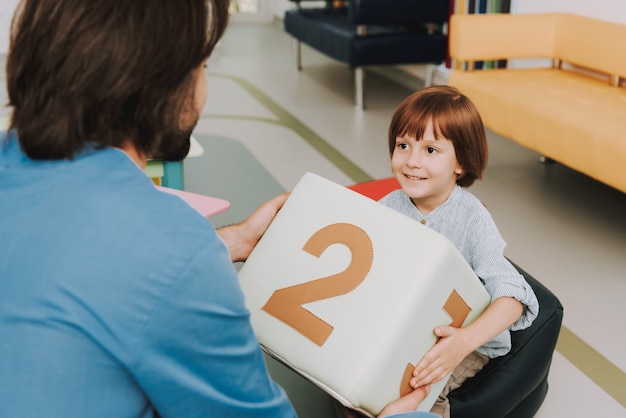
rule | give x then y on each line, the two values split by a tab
570	117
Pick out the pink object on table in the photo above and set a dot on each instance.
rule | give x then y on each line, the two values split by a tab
206	205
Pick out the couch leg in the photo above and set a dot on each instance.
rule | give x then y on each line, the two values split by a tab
359	76
297	54
430	73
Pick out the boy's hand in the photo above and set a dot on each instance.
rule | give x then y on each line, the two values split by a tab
443	357
407	403
456	343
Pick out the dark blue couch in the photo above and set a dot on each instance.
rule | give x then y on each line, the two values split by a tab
373	32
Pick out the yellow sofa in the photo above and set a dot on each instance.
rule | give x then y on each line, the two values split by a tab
572	110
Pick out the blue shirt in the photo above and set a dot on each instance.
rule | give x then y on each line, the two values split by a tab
117	300
467	224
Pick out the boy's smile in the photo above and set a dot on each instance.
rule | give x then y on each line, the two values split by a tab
427	169
413	177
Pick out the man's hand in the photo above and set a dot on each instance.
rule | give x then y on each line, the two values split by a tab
242	237
407	403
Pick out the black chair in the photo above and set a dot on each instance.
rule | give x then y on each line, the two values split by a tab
515	385
373	32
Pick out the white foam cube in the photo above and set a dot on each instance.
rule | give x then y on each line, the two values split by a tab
347	292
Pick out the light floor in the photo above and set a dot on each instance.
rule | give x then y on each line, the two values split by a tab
565	229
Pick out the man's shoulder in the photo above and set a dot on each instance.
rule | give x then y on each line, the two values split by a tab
120	200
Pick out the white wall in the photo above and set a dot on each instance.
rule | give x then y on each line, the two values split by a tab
6	13
279	7
610	10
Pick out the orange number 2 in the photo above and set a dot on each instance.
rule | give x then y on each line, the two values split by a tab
286	304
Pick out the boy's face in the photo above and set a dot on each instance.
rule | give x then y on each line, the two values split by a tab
426	169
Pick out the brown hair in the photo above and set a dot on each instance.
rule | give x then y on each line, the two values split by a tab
105	72
454	117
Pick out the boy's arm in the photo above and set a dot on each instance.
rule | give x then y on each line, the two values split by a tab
456	343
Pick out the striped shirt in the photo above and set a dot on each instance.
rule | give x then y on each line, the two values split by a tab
468	225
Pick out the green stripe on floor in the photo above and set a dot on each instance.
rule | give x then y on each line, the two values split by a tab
593	364
287	120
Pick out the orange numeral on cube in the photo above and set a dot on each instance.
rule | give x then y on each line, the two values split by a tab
286	304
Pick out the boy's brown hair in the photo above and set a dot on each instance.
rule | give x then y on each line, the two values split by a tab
106	72
454	117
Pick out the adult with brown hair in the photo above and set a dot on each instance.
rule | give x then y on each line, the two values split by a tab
117	300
